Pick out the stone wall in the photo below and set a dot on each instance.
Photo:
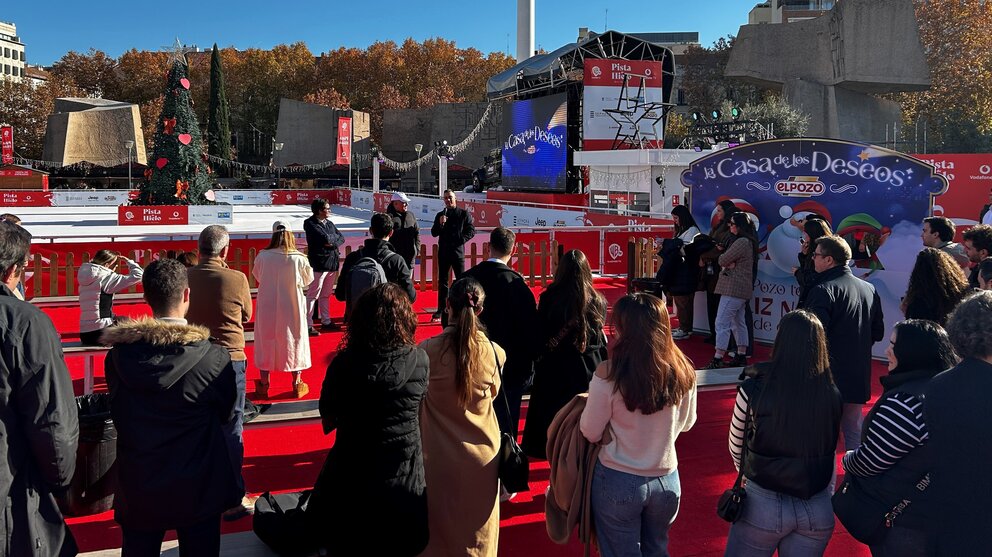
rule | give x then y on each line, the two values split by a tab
93	130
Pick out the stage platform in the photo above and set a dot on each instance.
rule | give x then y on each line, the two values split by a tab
72	224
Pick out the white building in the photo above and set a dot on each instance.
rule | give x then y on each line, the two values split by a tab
12	60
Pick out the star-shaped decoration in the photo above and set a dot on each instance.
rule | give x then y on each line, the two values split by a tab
864	155
177	51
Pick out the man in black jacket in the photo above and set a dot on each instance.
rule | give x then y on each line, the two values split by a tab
323	241
453	227
509	316
378	247
978	246
851	313
406	231
38	419
957	419
172	391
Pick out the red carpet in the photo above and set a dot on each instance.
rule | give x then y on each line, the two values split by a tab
288	458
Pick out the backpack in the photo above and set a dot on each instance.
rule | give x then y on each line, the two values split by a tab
280	521
367	273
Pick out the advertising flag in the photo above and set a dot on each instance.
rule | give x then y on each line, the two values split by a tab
344	141
6	145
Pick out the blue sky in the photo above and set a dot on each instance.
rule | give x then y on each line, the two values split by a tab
115	26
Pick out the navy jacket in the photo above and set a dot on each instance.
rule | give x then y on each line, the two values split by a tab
323	240
851	313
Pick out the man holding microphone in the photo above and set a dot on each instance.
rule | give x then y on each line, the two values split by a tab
453	227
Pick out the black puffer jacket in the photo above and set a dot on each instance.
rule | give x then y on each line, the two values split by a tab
406	234
376	466
171	390
39	430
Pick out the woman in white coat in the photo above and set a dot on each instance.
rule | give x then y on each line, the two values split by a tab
98	282
281	339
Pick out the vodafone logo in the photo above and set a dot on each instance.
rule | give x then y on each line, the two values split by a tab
800	186
175	214
616	252
985	169
647	72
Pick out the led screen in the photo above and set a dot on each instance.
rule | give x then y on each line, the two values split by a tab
534	144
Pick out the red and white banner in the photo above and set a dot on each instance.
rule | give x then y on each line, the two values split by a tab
17	198
6	145
15	172
152	214
381	201
484	214
600	219
969	186
344	141
296	197
603	82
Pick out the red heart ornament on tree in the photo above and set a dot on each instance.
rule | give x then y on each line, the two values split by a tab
160	163
185	138
184	82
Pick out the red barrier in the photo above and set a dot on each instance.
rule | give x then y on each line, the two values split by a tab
484	214
157	214
14	198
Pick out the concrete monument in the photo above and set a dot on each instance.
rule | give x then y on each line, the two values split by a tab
94	130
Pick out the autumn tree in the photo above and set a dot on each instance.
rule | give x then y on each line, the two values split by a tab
90	72
327	97
27	108
956	110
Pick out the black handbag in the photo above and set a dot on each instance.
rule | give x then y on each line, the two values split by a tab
280	522
730	506
865	517
514	466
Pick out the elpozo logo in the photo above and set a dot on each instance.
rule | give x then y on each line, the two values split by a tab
800	186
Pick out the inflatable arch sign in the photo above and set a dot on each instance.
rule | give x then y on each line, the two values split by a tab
874	197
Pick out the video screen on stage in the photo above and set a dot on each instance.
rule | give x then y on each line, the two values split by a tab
535	144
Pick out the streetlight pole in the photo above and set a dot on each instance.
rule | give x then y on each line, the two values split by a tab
130	145
277	147
418	148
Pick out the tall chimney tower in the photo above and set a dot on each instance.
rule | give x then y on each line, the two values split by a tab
525	29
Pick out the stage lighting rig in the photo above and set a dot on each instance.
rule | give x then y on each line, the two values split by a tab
443	149
711	131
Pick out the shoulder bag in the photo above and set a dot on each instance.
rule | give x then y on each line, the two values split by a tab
514	466
730	507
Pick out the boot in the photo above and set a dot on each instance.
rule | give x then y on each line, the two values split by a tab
740	360
261	389
716	363
301	389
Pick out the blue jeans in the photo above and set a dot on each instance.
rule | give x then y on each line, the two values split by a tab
633	514
771	520
233	431
851	420
730	318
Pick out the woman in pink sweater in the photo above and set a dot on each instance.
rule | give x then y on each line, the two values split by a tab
646	394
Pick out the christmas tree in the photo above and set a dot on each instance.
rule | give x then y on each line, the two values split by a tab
177	170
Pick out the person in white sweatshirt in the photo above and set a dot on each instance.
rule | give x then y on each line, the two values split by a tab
646	394
98	282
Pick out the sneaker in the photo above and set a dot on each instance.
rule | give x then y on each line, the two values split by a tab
716	363
739	360
505	495
313	332
301	389
679	334
245	508
330	326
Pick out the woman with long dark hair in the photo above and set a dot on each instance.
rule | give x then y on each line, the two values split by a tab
739	265
371	395
460	432
936	286
683	291
571	343
894	456
794	411
98	282
646	394
709	261
813	228
281	340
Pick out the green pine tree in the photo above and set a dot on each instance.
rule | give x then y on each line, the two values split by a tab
177	170
218	114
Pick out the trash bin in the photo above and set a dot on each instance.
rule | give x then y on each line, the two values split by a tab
92	488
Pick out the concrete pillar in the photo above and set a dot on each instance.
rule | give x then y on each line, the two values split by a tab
525	29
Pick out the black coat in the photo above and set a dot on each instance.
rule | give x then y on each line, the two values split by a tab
509	314
323	241
561	370
957	415
679	274
851	314
171	392
805	277
39	431
457	230
382	251
375	467
406	234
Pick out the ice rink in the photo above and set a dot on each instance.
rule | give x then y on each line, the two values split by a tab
68	224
